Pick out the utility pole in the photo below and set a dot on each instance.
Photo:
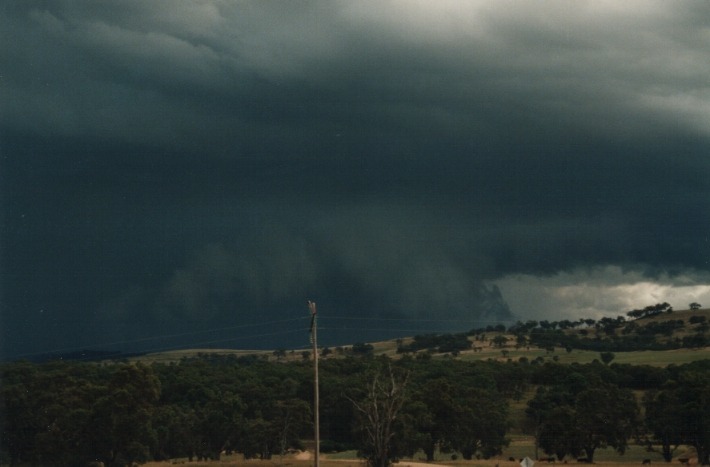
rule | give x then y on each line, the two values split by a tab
314	341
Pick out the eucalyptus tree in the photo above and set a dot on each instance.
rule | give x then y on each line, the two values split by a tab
678	413
604	416
378	409
457	406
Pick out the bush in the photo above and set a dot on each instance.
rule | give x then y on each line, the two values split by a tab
363	349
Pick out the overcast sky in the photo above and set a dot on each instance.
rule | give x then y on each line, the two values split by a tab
191	172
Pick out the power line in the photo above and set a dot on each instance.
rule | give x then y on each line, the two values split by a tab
422	320
329	318
172	336
219	341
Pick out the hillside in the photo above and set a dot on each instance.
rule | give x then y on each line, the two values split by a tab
200	403
656	340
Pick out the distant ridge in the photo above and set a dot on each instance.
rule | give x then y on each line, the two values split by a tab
483	349
86	355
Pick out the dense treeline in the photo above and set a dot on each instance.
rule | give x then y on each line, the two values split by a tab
70	413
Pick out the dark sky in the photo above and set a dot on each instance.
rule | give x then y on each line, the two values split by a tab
180	173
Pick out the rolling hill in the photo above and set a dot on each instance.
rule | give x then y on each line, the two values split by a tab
658	339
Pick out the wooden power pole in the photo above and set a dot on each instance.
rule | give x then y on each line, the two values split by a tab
316	417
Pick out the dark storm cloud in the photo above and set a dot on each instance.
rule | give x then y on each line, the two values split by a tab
166	163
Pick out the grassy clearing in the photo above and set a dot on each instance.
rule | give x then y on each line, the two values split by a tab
519	448
661	358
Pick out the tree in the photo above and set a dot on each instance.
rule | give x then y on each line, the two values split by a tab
174	429
688	399
47	410
499	341
521	341
257	439
560	420
428	414
651	310
457	407
290	419
479	423
663	422
218	423
377	414
606	416
607	357
70	414
120	430
603	415
363	348
695	306
547	415
21	412
419	429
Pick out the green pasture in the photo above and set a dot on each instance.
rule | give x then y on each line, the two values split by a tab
524	446
660	358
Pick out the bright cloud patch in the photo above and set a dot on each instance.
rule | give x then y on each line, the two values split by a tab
599	292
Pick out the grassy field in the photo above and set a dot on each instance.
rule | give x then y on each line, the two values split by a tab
660	358
519	448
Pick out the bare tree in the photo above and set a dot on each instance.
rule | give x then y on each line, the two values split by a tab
378	411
